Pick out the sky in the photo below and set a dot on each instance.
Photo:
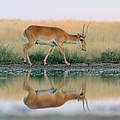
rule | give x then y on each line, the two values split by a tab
86	10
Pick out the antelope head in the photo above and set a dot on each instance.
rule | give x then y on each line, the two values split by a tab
82	37
83	96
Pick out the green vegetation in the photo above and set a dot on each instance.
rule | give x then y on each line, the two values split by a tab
101	35
8	57
57	58
108	56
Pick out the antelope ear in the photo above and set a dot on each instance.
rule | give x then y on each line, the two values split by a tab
78	34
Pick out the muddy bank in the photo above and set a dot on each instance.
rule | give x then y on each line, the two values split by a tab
82	67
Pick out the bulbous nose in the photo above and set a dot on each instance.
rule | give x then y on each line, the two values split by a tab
84	49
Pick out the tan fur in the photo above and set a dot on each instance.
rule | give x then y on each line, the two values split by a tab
35	33
45	99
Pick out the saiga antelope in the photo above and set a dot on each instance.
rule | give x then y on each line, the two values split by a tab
52	36
54	97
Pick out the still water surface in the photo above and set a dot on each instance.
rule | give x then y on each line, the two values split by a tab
102	93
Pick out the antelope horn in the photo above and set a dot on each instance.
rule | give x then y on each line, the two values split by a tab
87	29
84	99
83	104
83	28
87	103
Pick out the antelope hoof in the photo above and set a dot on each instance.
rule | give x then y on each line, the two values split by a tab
30	64
68	64
24	60
45	64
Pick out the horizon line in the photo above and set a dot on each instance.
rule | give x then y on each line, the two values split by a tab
75	20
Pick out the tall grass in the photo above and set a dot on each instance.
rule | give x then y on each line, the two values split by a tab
102	37
57	58
7	56
108	56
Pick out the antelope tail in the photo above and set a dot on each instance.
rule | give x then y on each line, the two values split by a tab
25	33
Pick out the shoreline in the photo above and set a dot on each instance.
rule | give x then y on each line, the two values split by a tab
103	66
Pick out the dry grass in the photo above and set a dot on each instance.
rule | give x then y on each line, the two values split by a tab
101	36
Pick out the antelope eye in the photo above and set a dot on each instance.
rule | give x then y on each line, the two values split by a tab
81	94
81	39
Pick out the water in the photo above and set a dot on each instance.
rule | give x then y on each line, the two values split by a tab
102	92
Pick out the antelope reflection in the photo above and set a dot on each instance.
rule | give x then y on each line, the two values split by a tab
52	97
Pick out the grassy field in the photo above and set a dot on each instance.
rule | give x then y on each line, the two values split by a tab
102	41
